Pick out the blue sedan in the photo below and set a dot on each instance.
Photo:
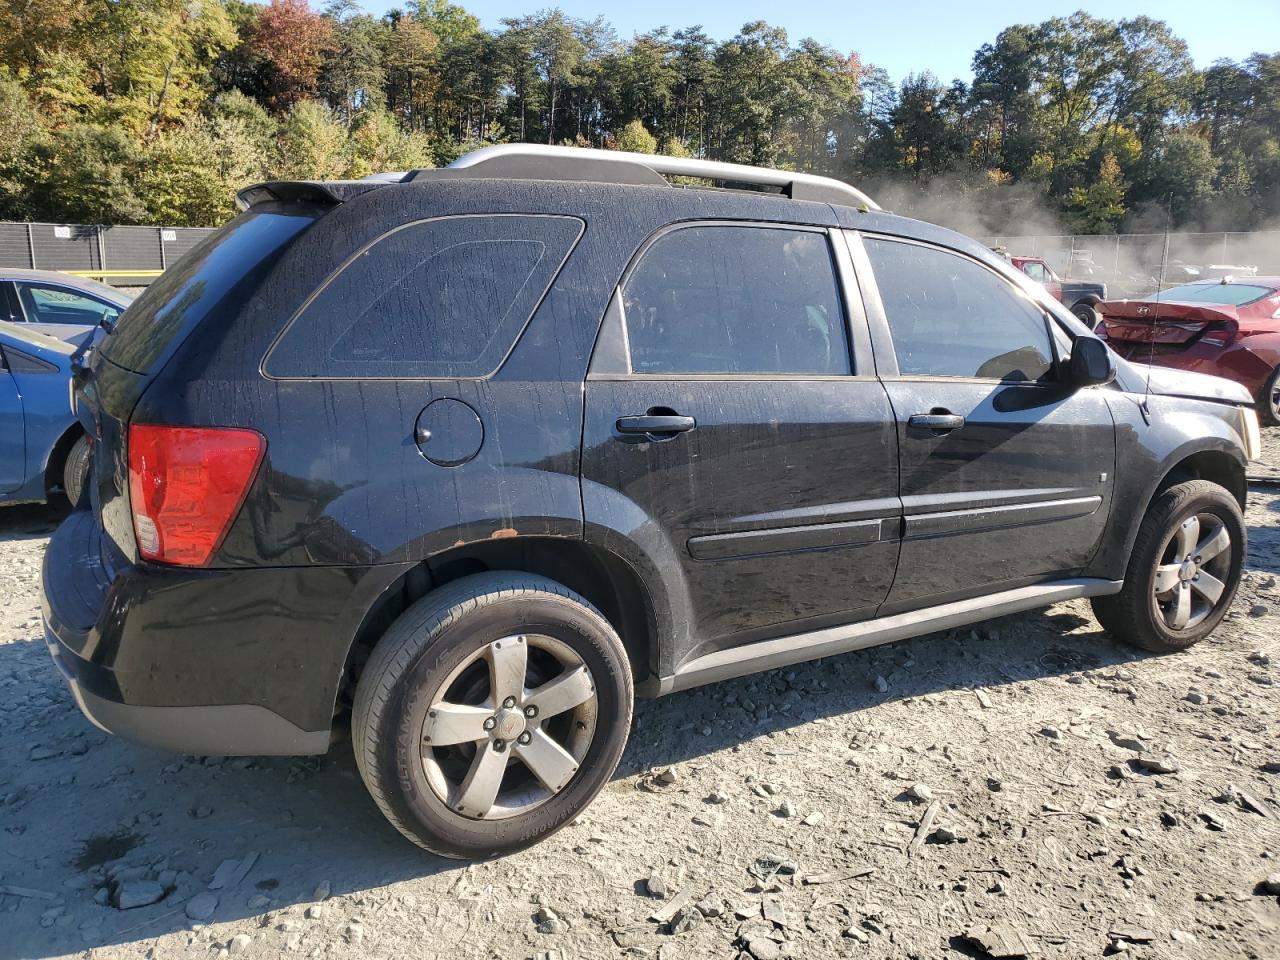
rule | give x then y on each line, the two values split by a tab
44	453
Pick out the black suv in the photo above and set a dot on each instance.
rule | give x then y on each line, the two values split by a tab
477	454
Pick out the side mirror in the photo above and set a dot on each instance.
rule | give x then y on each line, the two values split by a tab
1091	363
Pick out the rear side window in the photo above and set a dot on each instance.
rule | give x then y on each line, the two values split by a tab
951	317
436	298
736	299
160	319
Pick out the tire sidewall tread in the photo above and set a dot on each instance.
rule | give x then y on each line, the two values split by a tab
423	643
1129	615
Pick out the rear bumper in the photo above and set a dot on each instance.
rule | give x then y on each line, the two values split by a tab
222	662
226	730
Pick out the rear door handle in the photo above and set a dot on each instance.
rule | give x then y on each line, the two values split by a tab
936	421
657	425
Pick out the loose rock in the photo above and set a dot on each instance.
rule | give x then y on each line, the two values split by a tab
201	907
137	893
1156	763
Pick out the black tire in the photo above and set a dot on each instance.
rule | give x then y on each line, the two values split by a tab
1135	615
1088	315
1268	404
423	648
75	470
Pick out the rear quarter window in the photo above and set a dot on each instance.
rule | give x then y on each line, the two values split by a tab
446	297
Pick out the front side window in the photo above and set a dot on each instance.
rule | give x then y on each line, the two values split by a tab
951	317
1036	271
50	304
436	298
728	299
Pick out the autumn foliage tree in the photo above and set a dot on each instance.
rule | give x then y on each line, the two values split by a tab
159	110
292	41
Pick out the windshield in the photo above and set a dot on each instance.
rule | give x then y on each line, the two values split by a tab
1232	294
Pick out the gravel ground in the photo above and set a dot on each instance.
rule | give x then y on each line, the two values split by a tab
916	800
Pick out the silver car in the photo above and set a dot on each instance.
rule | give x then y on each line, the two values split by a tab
57	304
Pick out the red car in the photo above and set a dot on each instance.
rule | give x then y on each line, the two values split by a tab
1228	327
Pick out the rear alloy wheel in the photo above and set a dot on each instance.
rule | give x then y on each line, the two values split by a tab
1183	571
491	713
483	718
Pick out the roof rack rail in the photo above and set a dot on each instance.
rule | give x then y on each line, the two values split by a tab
528	161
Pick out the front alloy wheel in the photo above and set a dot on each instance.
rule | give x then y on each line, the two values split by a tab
1190	581
1183	571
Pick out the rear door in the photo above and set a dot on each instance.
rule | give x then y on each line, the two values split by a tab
12	430
1007	471
728	414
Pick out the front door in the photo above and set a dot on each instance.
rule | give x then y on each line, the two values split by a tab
730	426
1007	470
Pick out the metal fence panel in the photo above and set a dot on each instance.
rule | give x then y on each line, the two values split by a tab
66	247
89	248
132	248
179	241
15	249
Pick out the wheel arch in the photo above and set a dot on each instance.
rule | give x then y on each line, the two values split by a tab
1213	464
1207	458
57	456
606	580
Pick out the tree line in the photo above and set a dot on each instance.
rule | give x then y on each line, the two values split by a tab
157	111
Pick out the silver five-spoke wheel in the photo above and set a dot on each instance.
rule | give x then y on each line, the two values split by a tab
1190	579
508	728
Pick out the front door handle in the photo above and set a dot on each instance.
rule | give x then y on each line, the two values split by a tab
656	425
936	421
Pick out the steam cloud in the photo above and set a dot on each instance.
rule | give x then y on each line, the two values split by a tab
1016	218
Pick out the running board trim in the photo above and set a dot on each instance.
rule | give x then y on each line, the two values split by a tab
785	651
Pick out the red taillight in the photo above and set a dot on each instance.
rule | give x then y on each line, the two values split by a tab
1220	333
186	485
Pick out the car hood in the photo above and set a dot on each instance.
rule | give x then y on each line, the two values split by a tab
1169	382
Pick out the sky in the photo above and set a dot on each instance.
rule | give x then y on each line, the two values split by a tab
936	35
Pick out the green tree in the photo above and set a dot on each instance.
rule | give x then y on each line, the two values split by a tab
193	173
1099	207
88	174
312	145
353	76
634	138
379	145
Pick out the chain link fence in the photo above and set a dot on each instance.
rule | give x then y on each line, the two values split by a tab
1130	263
1136	263
121	256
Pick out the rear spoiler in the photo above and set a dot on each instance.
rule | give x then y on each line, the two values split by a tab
326	193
